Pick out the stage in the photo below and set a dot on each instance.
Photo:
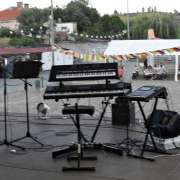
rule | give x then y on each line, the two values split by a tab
58	131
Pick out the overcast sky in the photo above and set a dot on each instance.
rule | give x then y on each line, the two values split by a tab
105	6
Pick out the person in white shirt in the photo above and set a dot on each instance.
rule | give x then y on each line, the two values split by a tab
135	71
148	72
161	72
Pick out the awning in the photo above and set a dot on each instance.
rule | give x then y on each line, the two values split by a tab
18	51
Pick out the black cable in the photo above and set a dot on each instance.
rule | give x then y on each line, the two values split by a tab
83	125
55	117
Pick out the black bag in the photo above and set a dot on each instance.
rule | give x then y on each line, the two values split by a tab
165	124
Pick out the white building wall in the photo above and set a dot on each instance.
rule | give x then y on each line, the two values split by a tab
66	27
12	24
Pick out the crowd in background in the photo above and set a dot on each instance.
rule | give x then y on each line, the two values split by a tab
156	72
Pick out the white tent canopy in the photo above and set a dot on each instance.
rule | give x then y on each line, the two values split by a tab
59	59
125	47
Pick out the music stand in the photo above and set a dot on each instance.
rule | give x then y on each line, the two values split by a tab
24	70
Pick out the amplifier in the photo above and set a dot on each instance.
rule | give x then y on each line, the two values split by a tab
123	113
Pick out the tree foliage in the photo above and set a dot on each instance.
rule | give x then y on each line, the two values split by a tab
58	14
89	21
163	24
78	11
33	18
110	24
22	41
4	32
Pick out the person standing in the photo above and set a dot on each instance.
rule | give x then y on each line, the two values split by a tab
121	71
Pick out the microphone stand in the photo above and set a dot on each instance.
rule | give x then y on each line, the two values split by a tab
5	141
28	133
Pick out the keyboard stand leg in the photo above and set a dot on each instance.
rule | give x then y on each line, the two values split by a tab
79	149
148	125
75	124
106	102
81	133
63	151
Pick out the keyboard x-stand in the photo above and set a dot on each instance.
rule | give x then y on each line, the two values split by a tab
106	72
145	94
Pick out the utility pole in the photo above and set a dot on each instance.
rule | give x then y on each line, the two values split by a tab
52	32
128	28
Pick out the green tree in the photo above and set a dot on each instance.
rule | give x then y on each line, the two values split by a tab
58	14
78	11
22	41
110	24
32	19
163	24
5	32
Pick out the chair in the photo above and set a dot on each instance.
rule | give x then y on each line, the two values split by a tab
77	110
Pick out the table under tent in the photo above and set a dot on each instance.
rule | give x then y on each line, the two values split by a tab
133	49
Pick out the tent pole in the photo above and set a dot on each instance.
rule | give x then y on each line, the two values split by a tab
176	68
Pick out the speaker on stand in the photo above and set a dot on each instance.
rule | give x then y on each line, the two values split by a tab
123	114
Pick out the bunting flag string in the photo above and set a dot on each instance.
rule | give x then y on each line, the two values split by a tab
100	57
119	35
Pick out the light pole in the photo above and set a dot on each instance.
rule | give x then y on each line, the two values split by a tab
52	31
128	29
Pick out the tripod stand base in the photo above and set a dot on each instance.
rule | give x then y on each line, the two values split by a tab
113	149
72	158
7	143
79	157
140	157
63	151
28	135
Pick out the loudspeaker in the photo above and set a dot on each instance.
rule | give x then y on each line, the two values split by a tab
123	113
165	124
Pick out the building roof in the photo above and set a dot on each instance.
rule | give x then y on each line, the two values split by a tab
17	51
10	13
